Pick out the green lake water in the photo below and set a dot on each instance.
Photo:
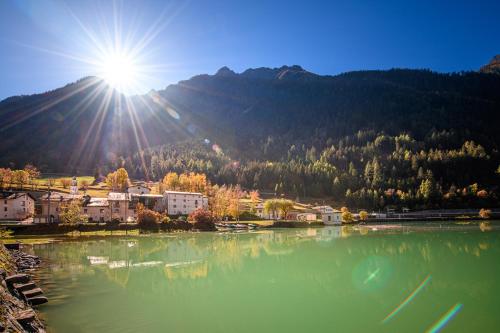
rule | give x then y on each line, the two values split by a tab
333	279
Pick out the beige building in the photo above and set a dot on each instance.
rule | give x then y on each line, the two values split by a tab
96	209
53	203
16	206
119	206
184	203
138	189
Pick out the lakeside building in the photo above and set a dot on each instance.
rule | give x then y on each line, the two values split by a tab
96	209
53	202
307	217
184	203
329	216
119	206
16	206
138	189
150	201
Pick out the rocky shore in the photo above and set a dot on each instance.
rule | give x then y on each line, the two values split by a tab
18	293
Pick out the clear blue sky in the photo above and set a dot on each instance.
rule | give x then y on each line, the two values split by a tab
42	43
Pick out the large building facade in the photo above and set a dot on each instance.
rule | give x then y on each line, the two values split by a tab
16	206
184	203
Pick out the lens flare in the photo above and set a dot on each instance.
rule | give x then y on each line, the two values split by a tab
445	319
407	299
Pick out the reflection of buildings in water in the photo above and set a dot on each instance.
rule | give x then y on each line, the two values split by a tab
97	260
328	234
186	270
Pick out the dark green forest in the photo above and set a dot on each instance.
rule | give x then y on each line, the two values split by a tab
370	139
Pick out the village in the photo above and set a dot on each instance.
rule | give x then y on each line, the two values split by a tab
120	204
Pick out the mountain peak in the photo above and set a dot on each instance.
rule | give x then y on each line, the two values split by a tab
493	67
281	73
225	71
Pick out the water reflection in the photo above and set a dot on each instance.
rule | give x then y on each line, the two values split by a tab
341	270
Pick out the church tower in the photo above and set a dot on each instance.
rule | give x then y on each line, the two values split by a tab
74	187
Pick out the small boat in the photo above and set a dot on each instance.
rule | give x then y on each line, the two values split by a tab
252	226
241	226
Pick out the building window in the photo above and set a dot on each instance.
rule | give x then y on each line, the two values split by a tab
85	210
196	202
5	209
5	201
175	200
329	218
175	206
23	203
102	211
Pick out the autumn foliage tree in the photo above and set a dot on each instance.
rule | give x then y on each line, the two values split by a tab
188	182
118	180
363	215
203	219
71	213
20	177
485	213
65	182
147	217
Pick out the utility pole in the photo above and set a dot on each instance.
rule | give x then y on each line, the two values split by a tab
48	200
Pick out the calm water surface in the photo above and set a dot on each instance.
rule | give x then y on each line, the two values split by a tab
309	280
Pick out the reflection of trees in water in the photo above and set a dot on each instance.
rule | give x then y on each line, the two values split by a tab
324	254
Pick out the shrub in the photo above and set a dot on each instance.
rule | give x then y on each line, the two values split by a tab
363	215
147	217
347	216
165	219
485	213
202	219
248	216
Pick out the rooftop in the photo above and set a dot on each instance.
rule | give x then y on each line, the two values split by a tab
118	196
60	196
185	193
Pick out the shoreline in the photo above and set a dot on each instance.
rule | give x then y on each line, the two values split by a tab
18	294
55	230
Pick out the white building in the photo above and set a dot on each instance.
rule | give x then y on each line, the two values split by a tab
184	203
138	189
16	206
329	216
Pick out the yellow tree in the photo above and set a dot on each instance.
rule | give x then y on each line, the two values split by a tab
20	177
118	180
271	207
171	181
363	215
33	173
71	213
254	200
284	206
111	181
5	176
65	182
184	182
122	179
347	216
234	196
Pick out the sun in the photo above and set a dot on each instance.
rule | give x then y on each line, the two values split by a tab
120	71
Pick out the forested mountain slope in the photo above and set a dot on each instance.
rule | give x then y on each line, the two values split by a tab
411	137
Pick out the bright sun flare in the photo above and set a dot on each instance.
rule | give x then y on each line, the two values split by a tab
119	70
